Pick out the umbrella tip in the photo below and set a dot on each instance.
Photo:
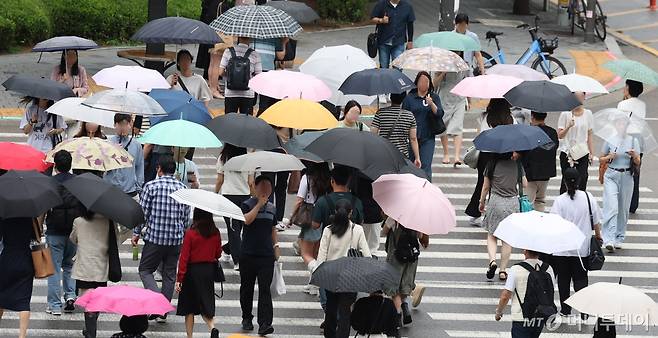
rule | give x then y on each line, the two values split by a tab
620	280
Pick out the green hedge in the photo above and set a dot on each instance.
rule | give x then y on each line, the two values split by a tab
29	20
342	10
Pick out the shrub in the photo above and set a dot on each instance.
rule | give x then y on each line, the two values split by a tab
28	18
342	10
7	28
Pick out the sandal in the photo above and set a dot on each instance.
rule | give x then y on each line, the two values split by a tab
492	269
502	275
457	164
446	160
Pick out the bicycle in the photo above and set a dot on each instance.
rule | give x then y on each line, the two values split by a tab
540	47
578	18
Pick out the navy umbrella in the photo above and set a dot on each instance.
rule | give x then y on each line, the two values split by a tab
27	194
512	137
177	30
356	274
376	81
38	87
179	105
60	43
542	96
299	11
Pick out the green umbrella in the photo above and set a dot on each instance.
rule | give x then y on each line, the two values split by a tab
633	70
181	133
448	40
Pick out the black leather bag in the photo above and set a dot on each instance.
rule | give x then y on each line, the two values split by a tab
436	124
594	261
114	271
373	44
219	278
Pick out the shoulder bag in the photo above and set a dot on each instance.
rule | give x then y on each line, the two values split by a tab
524	202
114	262
435	122
42	260
303	216
353	252
594	261
471	157
373	43
219	278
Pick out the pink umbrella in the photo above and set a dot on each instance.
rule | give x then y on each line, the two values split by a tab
125	300
488	86
522	72
415	203
281	84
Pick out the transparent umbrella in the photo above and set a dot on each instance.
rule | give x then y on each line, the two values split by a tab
614	125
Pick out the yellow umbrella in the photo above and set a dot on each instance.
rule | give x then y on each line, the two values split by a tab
93	154
299	114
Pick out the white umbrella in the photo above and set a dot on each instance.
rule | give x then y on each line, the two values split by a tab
72	108
264	161
208	201
618	302
125	101
541	232
580	83
131	77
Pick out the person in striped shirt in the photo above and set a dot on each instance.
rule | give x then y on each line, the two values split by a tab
398	126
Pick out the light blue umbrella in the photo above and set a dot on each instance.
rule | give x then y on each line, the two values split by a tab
181	133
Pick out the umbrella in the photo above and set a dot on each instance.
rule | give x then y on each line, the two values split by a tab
299	114
539	231
93	154
488	86
38	87
615	300
633	70
243	130
14	156
179	105
580	83
60	43
106	199
522	72
180	133
431	59
125	300
410	168
178	31
448	40
355	274
295	146
542	96
299	11
377	81
126	101
72	108
27	194
415	202
264	161
512	137
131	77
259	22
282	84
333	65
606	127
208	201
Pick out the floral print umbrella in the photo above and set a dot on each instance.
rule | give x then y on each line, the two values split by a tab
430	59
93	154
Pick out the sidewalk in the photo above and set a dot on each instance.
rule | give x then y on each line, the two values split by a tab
633	22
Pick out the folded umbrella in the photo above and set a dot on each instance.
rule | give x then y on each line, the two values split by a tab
205	200
72	108
176	30
125	300
613	126
299	11
356	274
512	137
14	156
180	133
299	114
540	232
125	101
27	194
633	70
259	22
179	105
266	161
522	72
38	87
60	43
580	83
431	59
131	77
489	86
295	146
93	154
377	81
542	96
243	130
448	40
282	84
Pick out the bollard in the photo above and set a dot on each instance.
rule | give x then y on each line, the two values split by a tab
652	5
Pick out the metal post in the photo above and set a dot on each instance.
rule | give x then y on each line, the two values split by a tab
447	15
590	14
156	9
652	5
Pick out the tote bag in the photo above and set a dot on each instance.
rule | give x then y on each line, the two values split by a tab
41	256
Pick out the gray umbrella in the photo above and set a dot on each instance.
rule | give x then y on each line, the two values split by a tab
258	22
298	10
356	274
542	96
177	30
38	87
60	43
376	81
243	130
295	146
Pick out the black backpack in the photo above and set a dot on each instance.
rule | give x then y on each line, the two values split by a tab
60	218
538	301
238	70
407	249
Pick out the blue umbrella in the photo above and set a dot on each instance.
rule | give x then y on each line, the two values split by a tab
177	30
376	81
179	105
512	137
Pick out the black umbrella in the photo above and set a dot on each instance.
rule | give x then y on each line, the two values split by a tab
512	137
60	43
410	168
542	96
38	87
105	199
295	146
376	81
244	131
177	30
356	274
299	11
27	194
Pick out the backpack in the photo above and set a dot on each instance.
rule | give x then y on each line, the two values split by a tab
238	70
60	218
538	301
407	247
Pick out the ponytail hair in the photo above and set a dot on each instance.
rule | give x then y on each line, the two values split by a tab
571	181
340	220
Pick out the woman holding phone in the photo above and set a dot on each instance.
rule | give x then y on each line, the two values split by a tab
187	81
574	129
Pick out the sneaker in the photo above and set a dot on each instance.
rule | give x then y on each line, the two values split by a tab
56	312
264	331
214	333
406	315
295	248
225	258
280	226
618	246
322	327
475	221
70	305
313	290
157	276
247	325
417	295
236	267
610	247
153	317
286	222
161	319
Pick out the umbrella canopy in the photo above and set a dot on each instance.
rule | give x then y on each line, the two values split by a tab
243	130
178	31
488	86
206	200
410	168
415	203
264	161
512	137
106	199
299	11
181	133
542	96
282	84
125	101
72	108
27	194
259	22
179	105
431	59
633	70
377	81
540	232
131	77
299	114
355	274
295	146
38	87
14	156
60	43
93	154
580	83
124	300
614	125
613	300
448	40
522	72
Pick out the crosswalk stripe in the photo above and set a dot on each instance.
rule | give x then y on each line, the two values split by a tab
506	334
105	333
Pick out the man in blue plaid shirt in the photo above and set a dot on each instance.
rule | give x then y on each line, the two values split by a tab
165	227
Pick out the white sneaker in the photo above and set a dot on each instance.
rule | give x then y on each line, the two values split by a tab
610	247
286	222
225	258
618	246
314	291
295	248
53	312
280	226
236	267
475	221
157	276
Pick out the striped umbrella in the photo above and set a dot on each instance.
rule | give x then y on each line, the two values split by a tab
259	22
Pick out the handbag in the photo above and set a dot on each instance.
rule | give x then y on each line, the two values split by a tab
353	252
373	43
303	216
114	262
293	181
578	151
219	278
42	260
594	261
471	157
278	286
524	202
436	124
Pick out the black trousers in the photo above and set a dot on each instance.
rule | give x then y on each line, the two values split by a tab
254	268
568	269
234	229
243	105
473	207
337	314
581	166
635	200
280	194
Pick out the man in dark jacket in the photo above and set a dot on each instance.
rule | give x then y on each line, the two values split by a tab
539	164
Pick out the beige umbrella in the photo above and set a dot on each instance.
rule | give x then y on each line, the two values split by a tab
93	154
430	59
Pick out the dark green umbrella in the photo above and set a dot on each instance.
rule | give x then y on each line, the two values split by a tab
27	194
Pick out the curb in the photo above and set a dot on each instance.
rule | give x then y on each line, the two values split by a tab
633	42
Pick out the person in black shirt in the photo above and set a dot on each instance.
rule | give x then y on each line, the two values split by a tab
539	164
395	28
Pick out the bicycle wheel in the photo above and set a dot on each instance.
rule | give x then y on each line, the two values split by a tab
599	24
580	15
555	67
489	61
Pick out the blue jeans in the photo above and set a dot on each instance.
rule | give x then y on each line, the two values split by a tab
426	151
388	53
62	251
617	193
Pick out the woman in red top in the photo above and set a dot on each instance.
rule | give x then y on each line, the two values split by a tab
196	271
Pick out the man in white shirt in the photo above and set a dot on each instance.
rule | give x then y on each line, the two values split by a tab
461	27
637	107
